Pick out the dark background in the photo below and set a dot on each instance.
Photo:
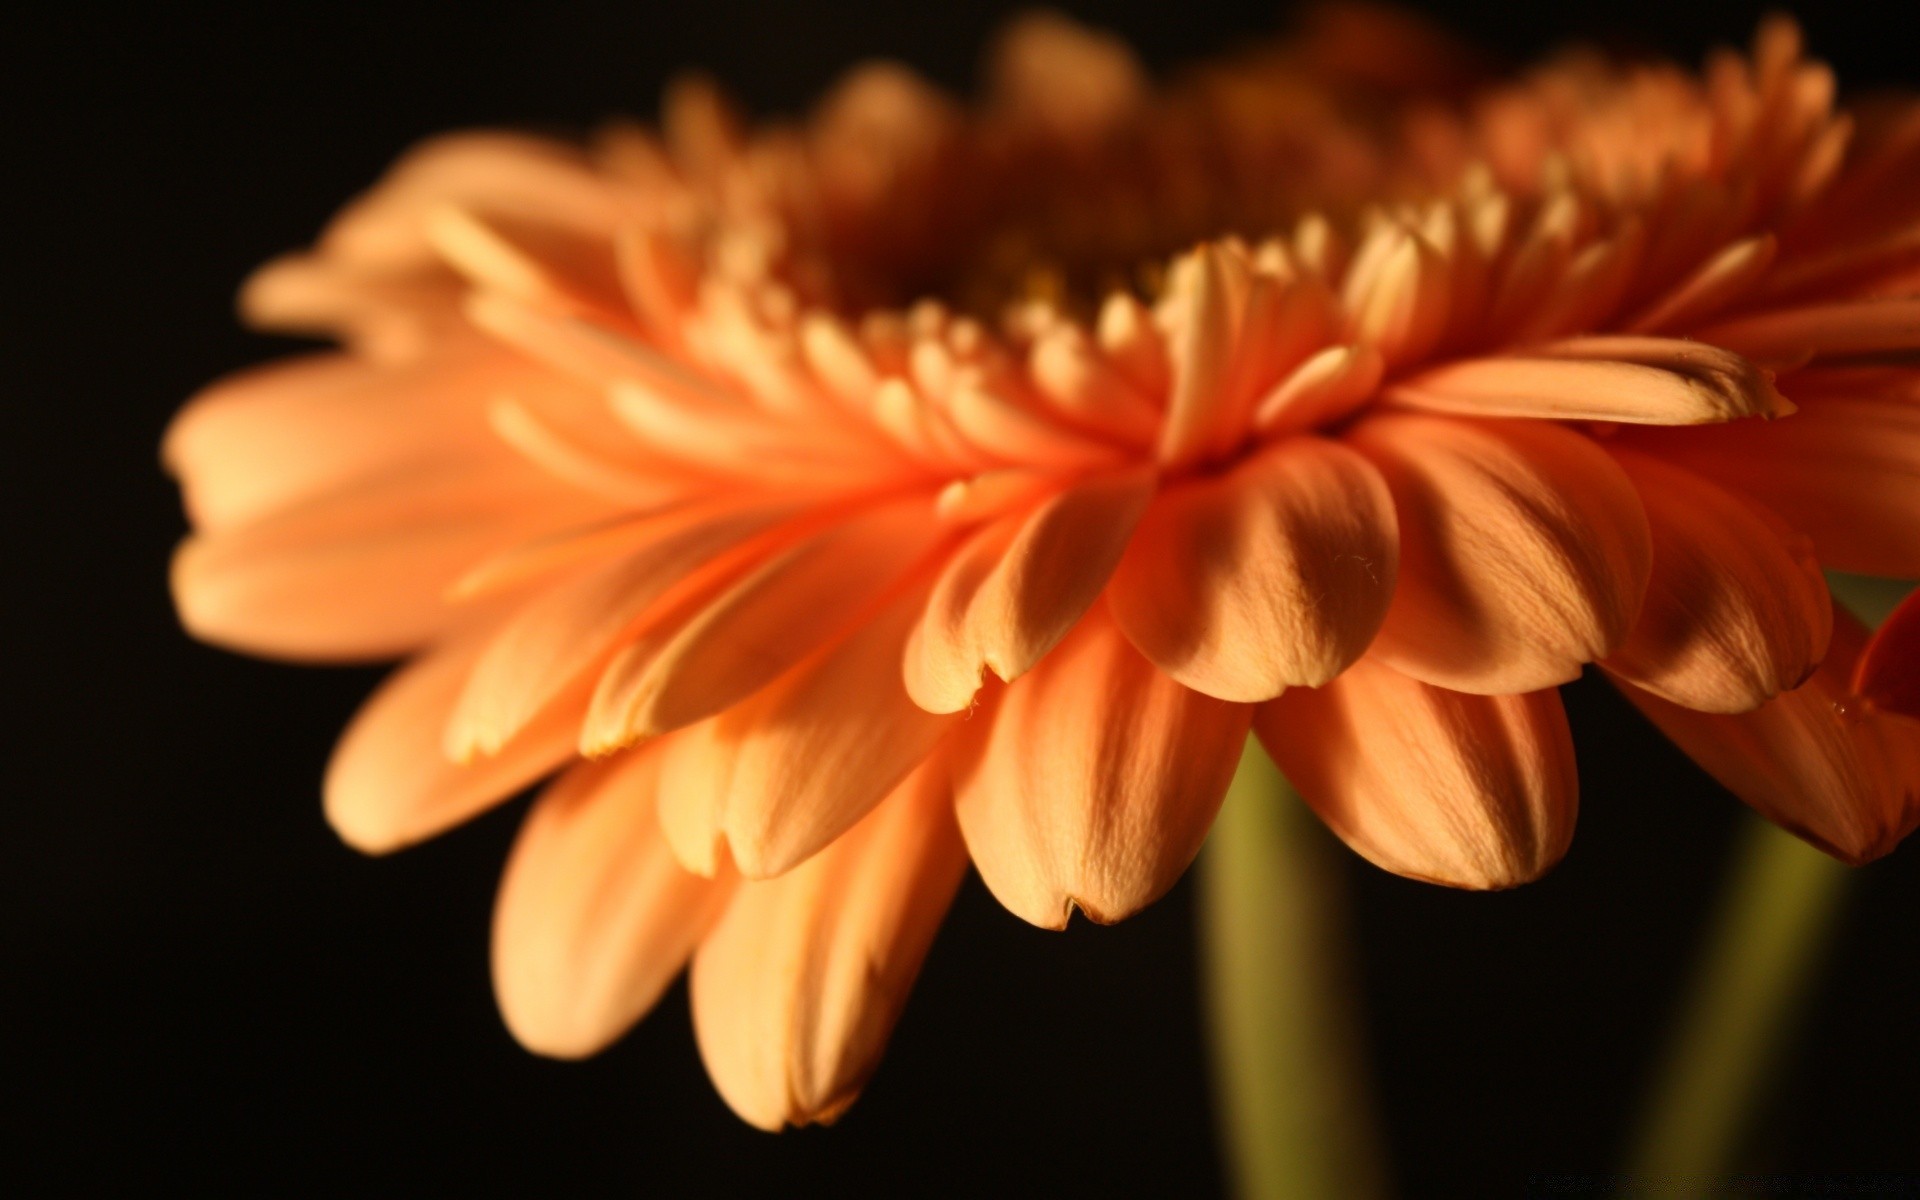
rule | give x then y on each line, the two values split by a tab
202	986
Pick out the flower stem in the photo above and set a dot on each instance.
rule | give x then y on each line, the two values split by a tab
1773	919
1288	1075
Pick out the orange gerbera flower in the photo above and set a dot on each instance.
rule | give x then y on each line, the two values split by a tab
811	597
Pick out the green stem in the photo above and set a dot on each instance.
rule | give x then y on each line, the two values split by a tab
1772	924
1288	1072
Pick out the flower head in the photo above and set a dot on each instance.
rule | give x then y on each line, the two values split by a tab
831	505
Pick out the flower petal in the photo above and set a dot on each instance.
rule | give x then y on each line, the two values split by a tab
1888	674
776	614
1452	788
1011	594
797	988
1816	761
1524	552
264	439
1737	609
388	785
1660	381
815	751
1094	782
570	629
1845	328
594	917
1275	574
363	572
1844	471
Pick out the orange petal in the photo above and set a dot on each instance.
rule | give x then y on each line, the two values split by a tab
1464	790
1846	328
1888	675
1398	292
774	616
1727	277
799	985
1275	574
1015	590
1094	782
572	628
1737	609
696	772
814	752
594	917
1660	381
388	785
1846	472
1524	551
1323	389
1815	761
363	572
1203	353
264	439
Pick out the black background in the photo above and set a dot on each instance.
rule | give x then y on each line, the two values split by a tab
202	986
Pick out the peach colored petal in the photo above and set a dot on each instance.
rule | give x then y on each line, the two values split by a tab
1464	790
388	785
1398	295
568	631
815	751
1815	761
1071	371
1275	574
1011	594
797	988
696	772
581	460
1842	328
1094	782
1662	381
1009	431
497	174
387	318
1202	354
775	615
263	439
1737	608
1524	552
363	572
534	263
1887	676
1134	344
594	917
1844	471
1724	279
1321	390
